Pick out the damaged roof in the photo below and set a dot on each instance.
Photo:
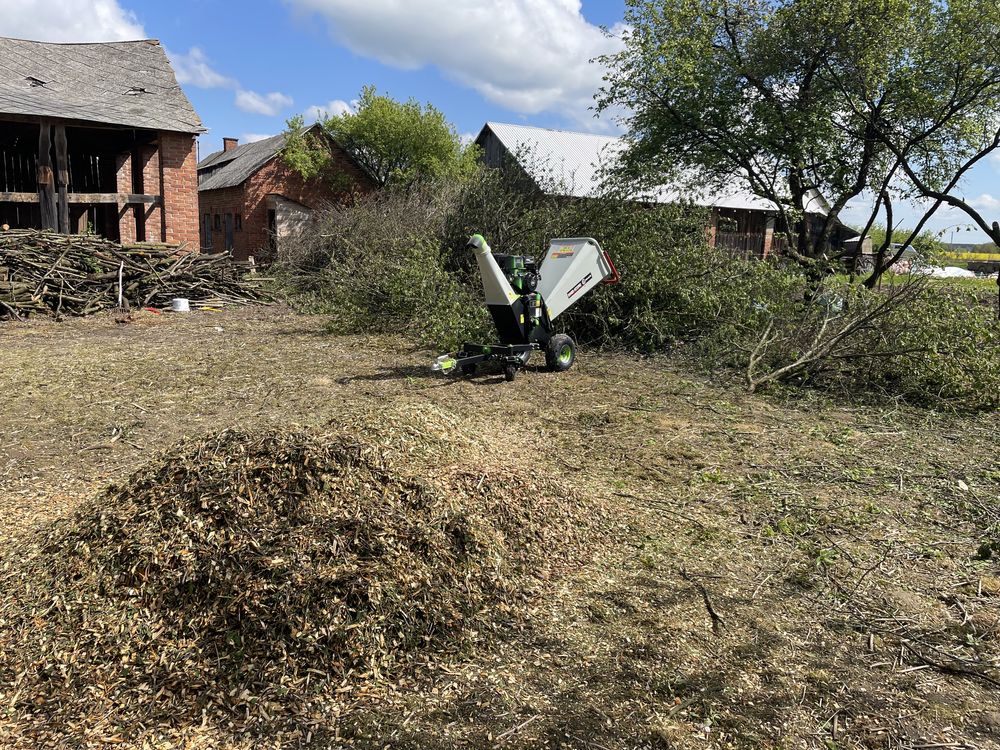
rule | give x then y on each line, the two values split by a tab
116	83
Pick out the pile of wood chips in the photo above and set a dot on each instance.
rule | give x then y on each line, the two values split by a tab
260	583
57	274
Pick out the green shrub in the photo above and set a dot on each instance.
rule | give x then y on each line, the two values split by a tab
396	262
951	345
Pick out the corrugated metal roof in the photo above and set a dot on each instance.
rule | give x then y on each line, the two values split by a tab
116	83
575	160
224	169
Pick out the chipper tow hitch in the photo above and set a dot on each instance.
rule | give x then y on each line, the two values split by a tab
524	298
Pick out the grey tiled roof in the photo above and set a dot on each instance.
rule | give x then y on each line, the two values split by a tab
224	169
116	83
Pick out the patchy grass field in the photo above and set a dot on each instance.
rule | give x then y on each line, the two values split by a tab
767	574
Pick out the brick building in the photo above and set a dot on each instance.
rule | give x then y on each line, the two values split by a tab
97	138
250	199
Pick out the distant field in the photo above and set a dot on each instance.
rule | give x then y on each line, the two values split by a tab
972	256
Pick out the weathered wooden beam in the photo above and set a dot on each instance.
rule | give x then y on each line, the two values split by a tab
140	198
46	179
62	178
18	197
86	198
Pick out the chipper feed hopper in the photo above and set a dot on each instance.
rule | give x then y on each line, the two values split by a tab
524	298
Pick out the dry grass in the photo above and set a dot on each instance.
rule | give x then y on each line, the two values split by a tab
771	574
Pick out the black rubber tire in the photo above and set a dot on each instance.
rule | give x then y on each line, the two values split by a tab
469	370
560	353
510	372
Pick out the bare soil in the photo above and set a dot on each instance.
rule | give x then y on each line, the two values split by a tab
772	573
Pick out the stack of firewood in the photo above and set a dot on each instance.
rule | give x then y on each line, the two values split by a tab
57	274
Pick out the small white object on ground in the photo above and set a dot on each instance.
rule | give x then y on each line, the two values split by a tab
948	272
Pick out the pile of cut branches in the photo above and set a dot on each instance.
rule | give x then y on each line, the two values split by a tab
262	582
45	272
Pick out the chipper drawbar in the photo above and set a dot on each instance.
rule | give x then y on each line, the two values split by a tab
524	299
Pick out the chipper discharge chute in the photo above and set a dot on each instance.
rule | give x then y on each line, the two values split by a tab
524	298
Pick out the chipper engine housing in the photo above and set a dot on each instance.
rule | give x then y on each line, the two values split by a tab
524	298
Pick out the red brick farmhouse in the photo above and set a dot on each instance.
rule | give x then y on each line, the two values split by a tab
250	198
97	138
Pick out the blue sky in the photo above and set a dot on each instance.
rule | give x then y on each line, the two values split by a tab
247	66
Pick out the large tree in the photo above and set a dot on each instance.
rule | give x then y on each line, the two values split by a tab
879	101
396	142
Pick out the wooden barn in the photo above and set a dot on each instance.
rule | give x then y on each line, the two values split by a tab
97	138
569	164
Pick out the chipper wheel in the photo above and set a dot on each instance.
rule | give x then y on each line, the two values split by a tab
560	353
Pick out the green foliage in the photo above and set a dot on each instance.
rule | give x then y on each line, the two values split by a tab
401	142
926	244
952	351
897	98
380	267
395	262
304	151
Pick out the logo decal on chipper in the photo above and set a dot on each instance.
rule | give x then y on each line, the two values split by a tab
583	282
564	252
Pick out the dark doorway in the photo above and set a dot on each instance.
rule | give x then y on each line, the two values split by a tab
272	231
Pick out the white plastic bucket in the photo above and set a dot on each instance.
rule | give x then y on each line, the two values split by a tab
180	305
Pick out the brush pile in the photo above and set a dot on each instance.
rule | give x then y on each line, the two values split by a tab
45	272
260	583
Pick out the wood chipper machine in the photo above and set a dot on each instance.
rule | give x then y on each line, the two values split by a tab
524	298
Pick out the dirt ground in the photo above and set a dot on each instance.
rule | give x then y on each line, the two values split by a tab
772	573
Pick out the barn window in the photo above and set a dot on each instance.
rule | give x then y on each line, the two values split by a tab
239	222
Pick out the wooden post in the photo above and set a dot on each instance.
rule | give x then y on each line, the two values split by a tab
46	181
62	178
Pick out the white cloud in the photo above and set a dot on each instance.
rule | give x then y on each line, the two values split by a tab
330	109
194	69
263	104
70	21
254	137
985	202
529	56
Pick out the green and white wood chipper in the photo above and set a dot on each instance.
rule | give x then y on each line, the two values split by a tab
524	298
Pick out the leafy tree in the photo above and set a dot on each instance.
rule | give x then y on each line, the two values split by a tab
892	99
927	244
305	150
398	143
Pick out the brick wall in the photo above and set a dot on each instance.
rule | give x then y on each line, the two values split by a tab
179	167
250	200
169	169
126	213
219	203
149	156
